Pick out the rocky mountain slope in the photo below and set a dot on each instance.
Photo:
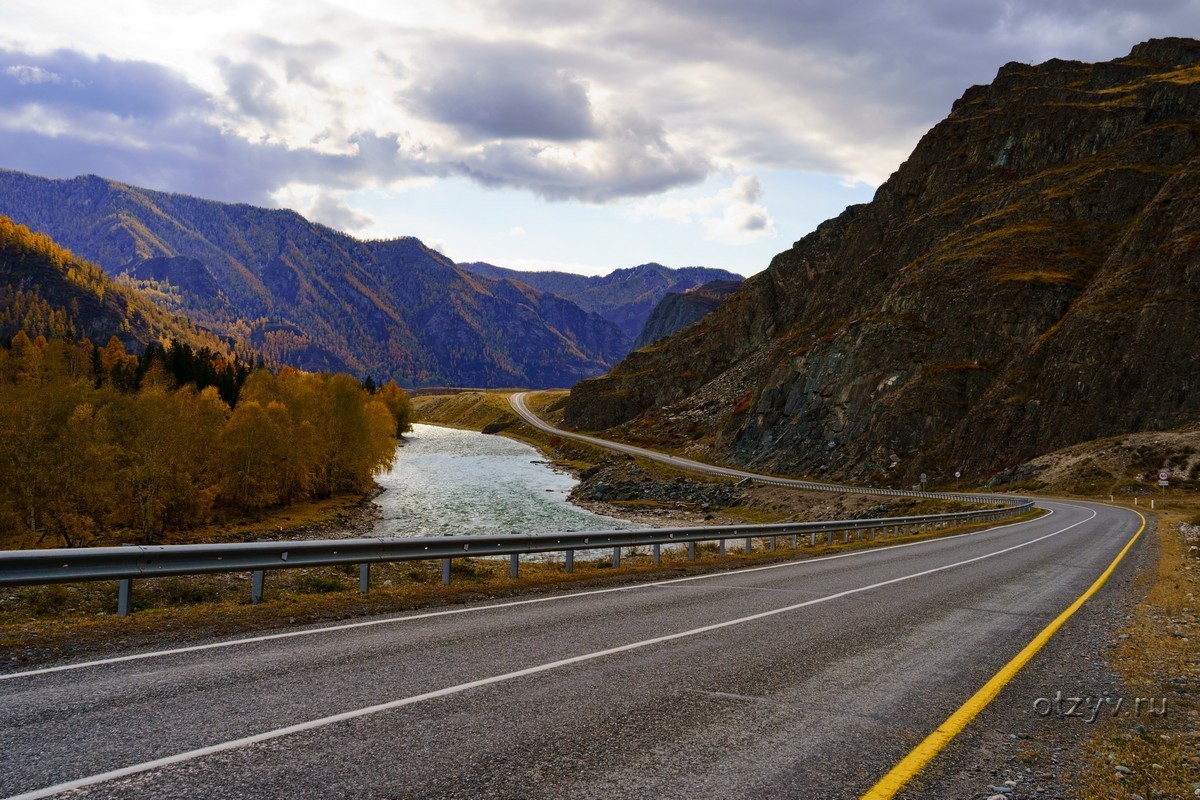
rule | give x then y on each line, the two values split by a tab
315	298
624	297
676	310
1029	278
46	290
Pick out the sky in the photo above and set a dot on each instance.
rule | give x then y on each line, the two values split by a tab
532	134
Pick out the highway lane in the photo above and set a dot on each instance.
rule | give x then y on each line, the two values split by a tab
521	407
518	403
808	679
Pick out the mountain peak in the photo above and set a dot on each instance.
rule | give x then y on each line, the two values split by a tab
1024	281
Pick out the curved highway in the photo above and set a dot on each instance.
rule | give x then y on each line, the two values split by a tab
806	679
517	401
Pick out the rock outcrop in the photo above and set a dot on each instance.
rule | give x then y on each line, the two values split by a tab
677	310
1029	278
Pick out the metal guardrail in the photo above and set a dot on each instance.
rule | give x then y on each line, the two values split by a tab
34	567
851	489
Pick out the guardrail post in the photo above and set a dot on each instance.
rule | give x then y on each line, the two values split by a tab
616	557
124	589
773	543
514	565
124	592
749	545
257	581
445	572
795	541
691	551
721	547
657	554
570	560
830	538
845	536
364	578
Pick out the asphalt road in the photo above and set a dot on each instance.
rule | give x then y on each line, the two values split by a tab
517	401
807	679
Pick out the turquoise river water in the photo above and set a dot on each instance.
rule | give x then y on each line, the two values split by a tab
447	481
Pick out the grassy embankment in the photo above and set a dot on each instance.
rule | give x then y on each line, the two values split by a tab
1157	656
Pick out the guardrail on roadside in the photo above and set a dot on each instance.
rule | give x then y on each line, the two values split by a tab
34	567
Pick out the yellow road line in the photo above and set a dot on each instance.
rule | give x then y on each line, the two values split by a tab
935	742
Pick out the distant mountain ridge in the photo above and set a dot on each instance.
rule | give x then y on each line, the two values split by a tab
1028	279
315	298
676	310
624	297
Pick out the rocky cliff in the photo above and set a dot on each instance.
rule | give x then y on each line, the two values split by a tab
676	310
1027	279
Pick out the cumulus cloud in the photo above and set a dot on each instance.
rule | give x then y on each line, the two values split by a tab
337	213
71	82
630	158
26	74
502	100
592	103
301	61
733	215
253	91
840	88
144	124
326	207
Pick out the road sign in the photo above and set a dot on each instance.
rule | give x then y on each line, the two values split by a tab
958	473
1162	477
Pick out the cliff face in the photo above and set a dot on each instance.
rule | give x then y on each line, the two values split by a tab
315	298
1028	279
676	310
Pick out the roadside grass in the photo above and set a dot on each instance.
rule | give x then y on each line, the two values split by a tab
43	623
1159	658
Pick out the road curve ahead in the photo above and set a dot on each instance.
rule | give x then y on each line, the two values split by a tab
517	401
521	407
806	679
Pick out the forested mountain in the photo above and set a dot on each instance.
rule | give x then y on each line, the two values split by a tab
1026	280
45	290
314	298
624	297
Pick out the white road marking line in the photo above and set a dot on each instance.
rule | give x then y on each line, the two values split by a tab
301	727
473	609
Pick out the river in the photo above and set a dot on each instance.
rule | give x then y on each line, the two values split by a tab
448	481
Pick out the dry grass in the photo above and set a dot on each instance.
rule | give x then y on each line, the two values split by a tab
469	410
1159	658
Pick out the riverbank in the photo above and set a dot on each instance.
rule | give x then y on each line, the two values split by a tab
647	492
